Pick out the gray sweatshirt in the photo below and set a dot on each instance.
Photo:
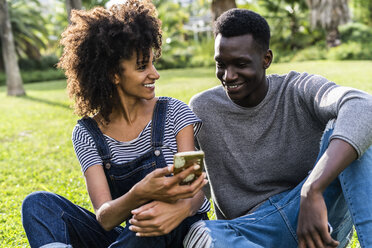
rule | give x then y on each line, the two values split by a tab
254	153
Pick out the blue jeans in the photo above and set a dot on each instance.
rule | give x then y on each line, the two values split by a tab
274	223
53	221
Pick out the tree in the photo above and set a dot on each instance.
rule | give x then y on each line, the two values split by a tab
72	4
28	27
13	77
220	6
362	11
329	14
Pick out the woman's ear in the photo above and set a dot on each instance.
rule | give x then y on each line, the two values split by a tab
116	79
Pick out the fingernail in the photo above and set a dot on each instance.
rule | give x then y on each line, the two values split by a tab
137	234
196	167
131	228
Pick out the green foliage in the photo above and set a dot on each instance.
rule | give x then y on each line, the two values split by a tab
310	53
356	32
36	76
88	4
351	51
44	63
362	11
356	43
28	26
36	151
203	53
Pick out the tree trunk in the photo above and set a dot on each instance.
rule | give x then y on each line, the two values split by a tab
220	6
13	76
333	37
72	4
329	14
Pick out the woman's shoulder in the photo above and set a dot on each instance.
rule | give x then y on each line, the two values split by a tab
174	103
81	134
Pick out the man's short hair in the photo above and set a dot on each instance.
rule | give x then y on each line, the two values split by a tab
236	22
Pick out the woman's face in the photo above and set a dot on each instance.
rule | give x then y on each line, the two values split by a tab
137	80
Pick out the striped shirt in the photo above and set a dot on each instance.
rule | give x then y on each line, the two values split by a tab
178	117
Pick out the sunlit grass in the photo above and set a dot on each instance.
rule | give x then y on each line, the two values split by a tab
35	135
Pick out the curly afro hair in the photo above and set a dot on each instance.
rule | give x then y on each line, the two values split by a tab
236	22
94	44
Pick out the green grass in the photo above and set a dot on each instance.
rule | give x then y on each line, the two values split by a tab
35	135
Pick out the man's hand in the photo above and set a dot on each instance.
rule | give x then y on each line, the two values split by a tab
312	229
157	218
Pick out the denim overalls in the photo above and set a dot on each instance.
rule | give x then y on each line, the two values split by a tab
122	177
51	220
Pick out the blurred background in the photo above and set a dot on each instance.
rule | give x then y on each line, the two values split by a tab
302	30
332	38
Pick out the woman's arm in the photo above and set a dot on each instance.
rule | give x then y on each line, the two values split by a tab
159	218
155	186
109	213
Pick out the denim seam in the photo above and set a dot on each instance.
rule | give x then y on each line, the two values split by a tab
89	227
286	221
146	166
65	228
350	206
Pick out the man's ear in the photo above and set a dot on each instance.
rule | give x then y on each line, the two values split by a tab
268	58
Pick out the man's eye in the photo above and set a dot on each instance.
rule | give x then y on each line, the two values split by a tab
242	65
219	65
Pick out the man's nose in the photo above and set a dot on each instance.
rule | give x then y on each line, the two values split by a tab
229	75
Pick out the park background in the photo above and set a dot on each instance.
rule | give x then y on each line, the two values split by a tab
328	37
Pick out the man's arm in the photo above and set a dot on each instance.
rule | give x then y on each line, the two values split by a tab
312	226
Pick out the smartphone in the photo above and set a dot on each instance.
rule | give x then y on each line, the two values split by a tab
183	160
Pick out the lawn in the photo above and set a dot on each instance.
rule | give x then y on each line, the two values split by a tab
35	135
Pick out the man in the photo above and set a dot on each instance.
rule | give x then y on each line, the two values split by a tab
261	136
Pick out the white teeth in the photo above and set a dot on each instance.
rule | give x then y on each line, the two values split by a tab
232	86
149	85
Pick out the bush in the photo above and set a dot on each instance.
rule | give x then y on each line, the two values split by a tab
45	62
351	51
203	53
356	32
36	76
187	54
310	53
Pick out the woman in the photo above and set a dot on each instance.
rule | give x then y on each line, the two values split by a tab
126	149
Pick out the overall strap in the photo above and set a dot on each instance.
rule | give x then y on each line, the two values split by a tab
158	121
98	138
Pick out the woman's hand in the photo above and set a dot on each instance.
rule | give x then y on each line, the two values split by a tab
158	218
156	186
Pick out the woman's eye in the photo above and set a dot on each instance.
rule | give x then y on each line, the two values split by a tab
142	67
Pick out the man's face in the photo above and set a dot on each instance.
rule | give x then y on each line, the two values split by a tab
240	66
